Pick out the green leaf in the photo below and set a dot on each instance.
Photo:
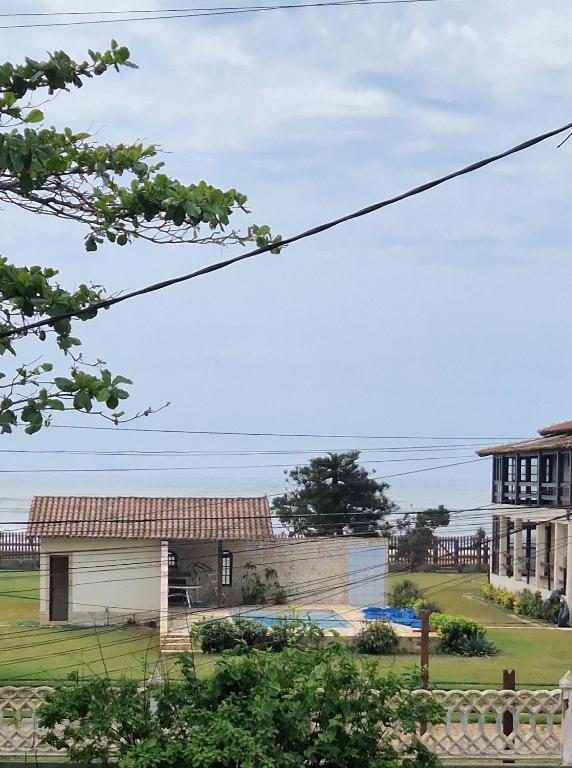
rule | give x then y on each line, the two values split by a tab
55	405
63	384
35	116
82	401
90	243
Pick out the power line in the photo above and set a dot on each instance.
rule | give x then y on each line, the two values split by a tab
106	303
276	6
196	12
227	433
231	466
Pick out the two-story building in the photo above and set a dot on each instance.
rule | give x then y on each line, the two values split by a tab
531	541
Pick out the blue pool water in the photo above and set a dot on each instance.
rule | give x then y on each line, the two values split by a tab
269	617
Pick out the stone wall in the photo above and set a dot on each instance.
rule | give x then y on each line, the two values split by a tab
310	570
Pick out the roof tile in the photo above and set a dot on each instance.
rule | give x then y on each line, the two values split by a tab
139	517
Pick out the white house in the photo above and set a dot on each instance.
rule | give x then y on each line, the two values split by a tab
532	521
117	558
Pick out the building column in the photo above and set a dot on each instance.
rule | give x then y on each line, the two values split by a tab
560	534
164	591
568	528
518	564
540	554
502	545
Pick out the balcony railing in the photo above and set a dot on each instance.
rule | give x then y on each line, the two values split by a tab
531	493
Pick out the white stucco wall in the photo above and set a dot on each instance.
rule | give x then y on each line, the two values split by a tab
109	579
311	570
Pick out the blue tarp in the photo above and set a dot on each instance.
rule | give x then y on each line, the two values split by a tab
405	616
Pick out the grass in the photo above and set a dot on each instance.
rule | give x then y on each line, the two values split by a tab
539	654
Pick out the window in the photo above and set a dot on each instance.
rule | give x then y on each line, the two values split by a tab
529	550
548	465
227	569
172	559
509	548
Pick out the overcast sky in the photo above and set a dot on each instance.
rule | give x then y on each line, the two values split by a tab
447	315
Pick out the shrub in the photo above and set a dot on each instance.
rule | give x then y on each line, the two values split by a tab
291	631
525	603
317	707
426	605
477	645
404	594
377	637
280	596
252	633
455	631
217	636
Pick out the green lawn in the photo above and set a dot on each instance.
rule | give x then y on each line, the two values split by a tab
540	654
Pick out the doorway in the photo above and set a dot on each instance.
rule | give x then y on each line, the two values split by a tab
59	588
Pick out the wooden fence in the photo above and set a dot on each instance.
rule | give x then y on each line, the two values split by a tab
452	551
16	545
449	551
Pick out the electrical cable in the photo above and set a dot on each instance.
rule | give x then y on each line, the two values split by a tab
106	303
199	13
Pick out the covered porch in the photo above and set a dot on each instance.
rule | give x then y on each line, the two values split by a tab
532	550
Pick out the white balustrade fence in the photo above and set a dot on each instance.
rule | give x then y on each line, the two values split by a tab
472	728
473	725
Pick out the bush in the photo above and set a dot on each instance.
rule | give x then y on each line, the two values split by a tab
455	631
377	637
525	603
252	633
404	594
318	707
225	634
293	631
477	645
426	605
217	636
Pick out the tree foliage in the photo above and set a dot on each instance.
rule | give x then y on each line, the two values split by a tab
418	533
333	495
119	193
314	708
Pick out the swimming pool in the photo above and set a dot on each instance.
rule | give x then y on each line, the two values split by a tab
269	617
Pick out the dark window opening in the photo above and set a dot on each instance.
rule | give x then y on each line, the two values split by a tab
227	569
509	548
172	559
529	550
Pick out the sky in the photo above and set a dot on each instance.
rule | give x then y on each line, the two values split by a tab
444	316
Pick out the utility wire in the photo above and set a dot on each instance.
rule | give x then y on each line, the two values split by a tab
275	6
220	433
106	303
234	466
202	12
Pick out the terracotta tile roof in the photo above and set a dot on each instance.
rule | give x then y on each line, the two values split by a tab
137	517
562	428
554	437
563	442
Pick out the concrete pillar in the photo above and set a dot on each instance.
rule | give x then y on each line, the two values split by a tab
164	606
502	545
566	743
519	565
568	528
560	534
541	554
44	588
